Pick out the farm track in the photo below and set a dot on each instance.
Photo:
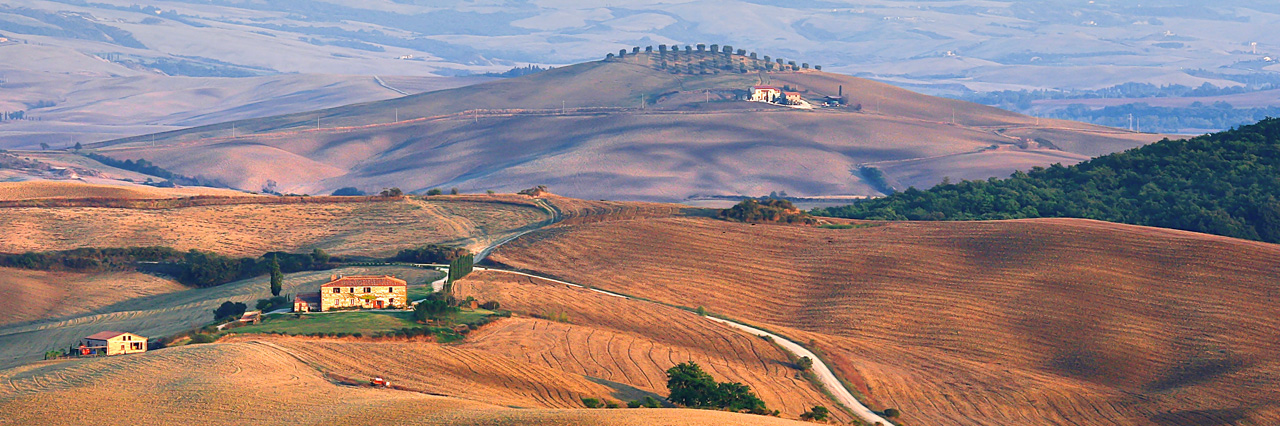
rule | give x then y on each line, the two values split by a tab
1016	322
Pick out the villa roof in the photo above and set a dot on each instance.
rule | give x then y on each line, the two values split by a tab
366	280
105	335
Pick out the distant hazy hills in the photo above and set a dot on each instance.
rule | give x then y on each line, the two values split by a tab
979	44
628	130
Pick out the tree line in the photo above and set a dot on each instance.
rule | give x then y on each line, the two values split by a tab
1226	183
193	268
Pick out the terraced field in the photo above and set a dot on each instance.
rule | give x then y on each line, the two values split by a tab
369	229
34	295
1017	322
628	342
268	383
161	314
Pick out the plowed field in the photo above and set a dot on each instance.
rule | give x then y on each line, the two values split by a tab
35	295
370	229
628	342
1019	322
264	383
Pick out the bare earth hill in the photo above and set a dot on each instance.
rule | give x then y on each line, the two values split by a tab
625	129
1028	322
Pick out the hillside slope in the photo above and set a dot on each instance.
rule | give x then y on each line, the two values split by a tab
993	323
624	129
263	382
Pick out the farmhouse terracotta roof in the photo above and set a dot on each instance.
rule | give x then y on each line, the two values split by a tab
793	93
371	281
105	335
308	298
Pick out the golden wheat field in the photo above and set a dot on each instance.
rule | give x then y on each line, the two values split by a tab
1016	322
260	382
369	229
36	190
629	342
35	295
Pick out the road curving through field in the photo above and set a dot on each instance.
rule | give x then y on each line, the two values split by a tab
828	379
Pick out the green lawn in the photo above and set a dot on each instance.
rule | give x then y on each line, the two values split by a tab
419	293
365	323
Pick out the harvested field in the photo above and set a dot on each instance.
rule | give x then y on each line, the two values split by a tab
629	342
368	229
242	383
162	314
575	211
36	295
42	190
1032	322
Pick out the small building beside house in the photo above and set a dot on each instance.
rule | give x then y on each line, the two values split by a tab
306	302
793	98
364	292
251	317
765	93
113	343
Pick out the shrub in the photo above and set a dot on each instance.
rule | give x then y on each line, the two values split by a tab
490	305
592	403
611	404
805	363
702	311
348	192
229	310
892	413
818	413
392	192
202	338
435	191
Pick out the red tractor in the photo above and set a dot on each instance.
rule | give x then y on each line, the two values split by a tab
379	382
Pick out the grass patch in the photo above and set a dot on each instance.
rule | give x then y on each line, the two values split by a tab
365	323
419	293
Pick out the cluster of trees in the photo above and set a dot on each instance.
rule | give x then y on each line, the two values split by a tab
435	306
703	59
15	115
90	259
431	253
691	387
517	71
1227	183
141	166
229	310
768	210
460	267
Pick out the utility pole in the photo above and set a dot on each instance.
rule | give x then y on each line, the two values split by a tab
317	122
397	115
562	110
233	130
1130	122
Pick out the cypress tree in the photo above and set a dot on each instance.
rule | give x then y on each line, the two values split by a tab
277	278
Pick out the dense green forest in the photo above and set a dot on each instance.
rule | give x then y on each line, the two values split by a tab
1226	183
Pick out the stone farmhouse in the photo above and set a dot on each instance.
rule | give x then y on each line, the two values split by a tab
356	292
113	343
765	94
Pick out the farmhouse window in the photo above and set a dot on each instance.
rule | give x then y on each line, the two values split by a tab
391	289
368	290
337	289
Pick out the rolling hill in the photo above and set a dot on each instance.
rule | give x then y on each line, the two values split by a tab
627	129
1035	322
264	382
